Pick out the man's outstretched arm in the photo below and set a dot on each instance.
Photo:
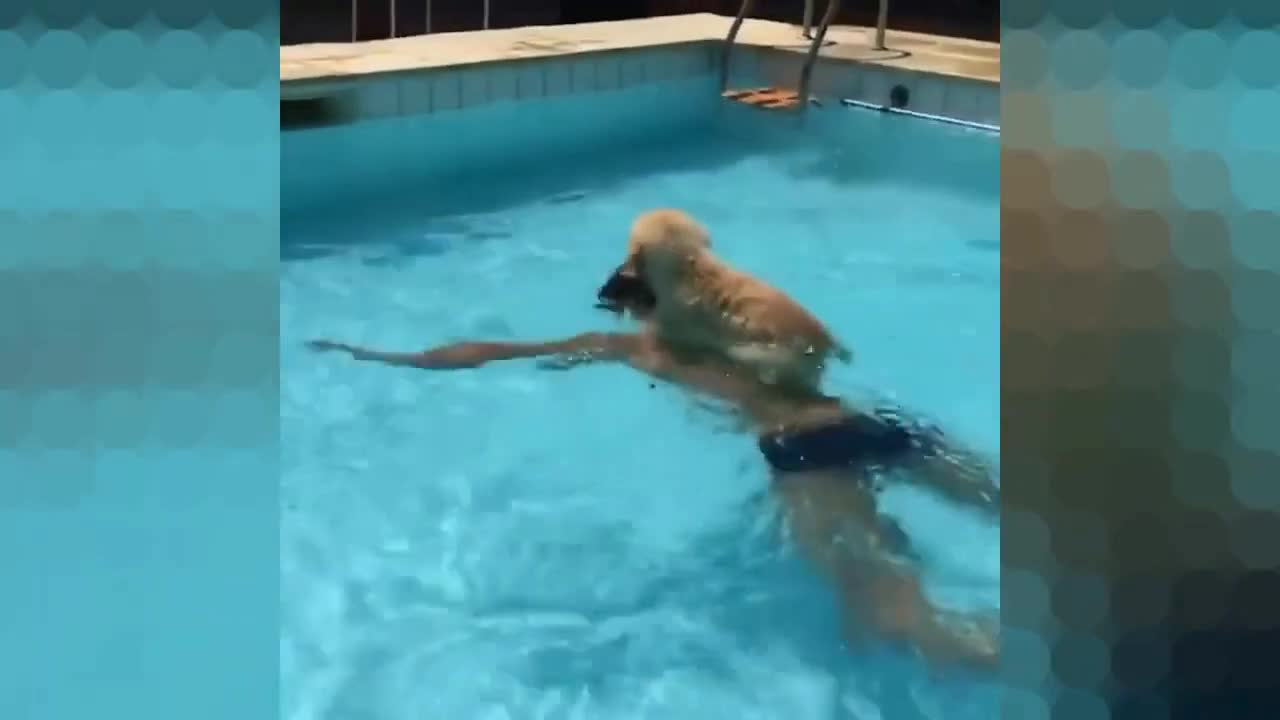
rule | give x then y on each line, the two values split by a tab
607	347
717	379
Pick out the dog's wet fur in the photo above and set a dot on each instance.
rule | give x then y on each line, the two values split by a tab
673	282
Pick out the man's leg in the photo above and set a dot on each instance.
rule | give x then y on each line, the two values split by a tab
832	516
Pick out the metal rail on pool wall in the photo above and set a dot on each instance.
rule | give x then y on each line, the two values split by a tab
848	102
355	8
882	17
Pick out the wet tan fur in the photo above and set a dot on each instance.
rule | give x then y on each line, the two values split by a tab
705	304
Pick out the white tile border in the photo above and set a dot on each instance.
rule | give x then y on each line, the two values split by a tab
301	65
437	90
458	87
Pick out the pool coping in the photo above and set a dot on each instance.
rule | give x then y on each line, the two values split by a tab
312	70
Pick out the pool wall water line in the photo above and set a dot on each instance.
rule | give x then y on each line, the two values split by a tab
393	129
377	117
399	128
443	89
950	97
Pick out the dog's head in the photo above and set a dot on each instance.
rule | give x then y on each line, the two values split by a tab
626	292
660	244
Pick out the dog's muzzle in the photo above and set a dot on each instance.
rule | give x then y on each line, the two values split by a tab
623	291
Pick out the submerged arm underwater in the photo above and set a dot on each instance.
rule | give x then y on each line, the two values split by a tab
465	355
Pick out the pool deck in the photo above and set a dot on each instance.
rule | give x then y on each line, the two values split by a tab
323	63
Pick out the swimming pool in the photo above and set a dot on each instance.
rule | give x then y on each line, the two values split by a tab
516	543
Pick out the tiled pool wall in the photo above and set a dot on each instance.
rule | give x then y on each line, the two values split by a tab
379	133
959	98
406	128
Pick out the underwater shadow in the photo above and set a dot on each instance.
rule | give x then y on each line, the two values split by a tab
742	591
437	215
854	146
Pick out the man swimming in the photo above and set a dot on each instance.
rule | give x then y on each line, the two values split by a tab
824	457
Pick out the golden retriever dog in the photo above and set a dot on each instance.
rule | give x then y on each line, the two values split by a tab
672	281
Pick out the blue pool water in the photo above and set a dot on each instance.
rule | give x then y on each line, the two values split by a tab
515	543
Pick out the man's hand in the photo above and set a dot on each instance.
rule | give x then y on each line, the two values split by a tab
329	346
557	354
450	357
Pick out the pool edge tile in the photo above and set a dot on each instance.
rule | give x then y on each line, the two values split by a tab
556	78
378	98
876	84
446	92
988	105
961	101
415	94
473	83
503	83
530	81
609	72
929	94
582	76
632	70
